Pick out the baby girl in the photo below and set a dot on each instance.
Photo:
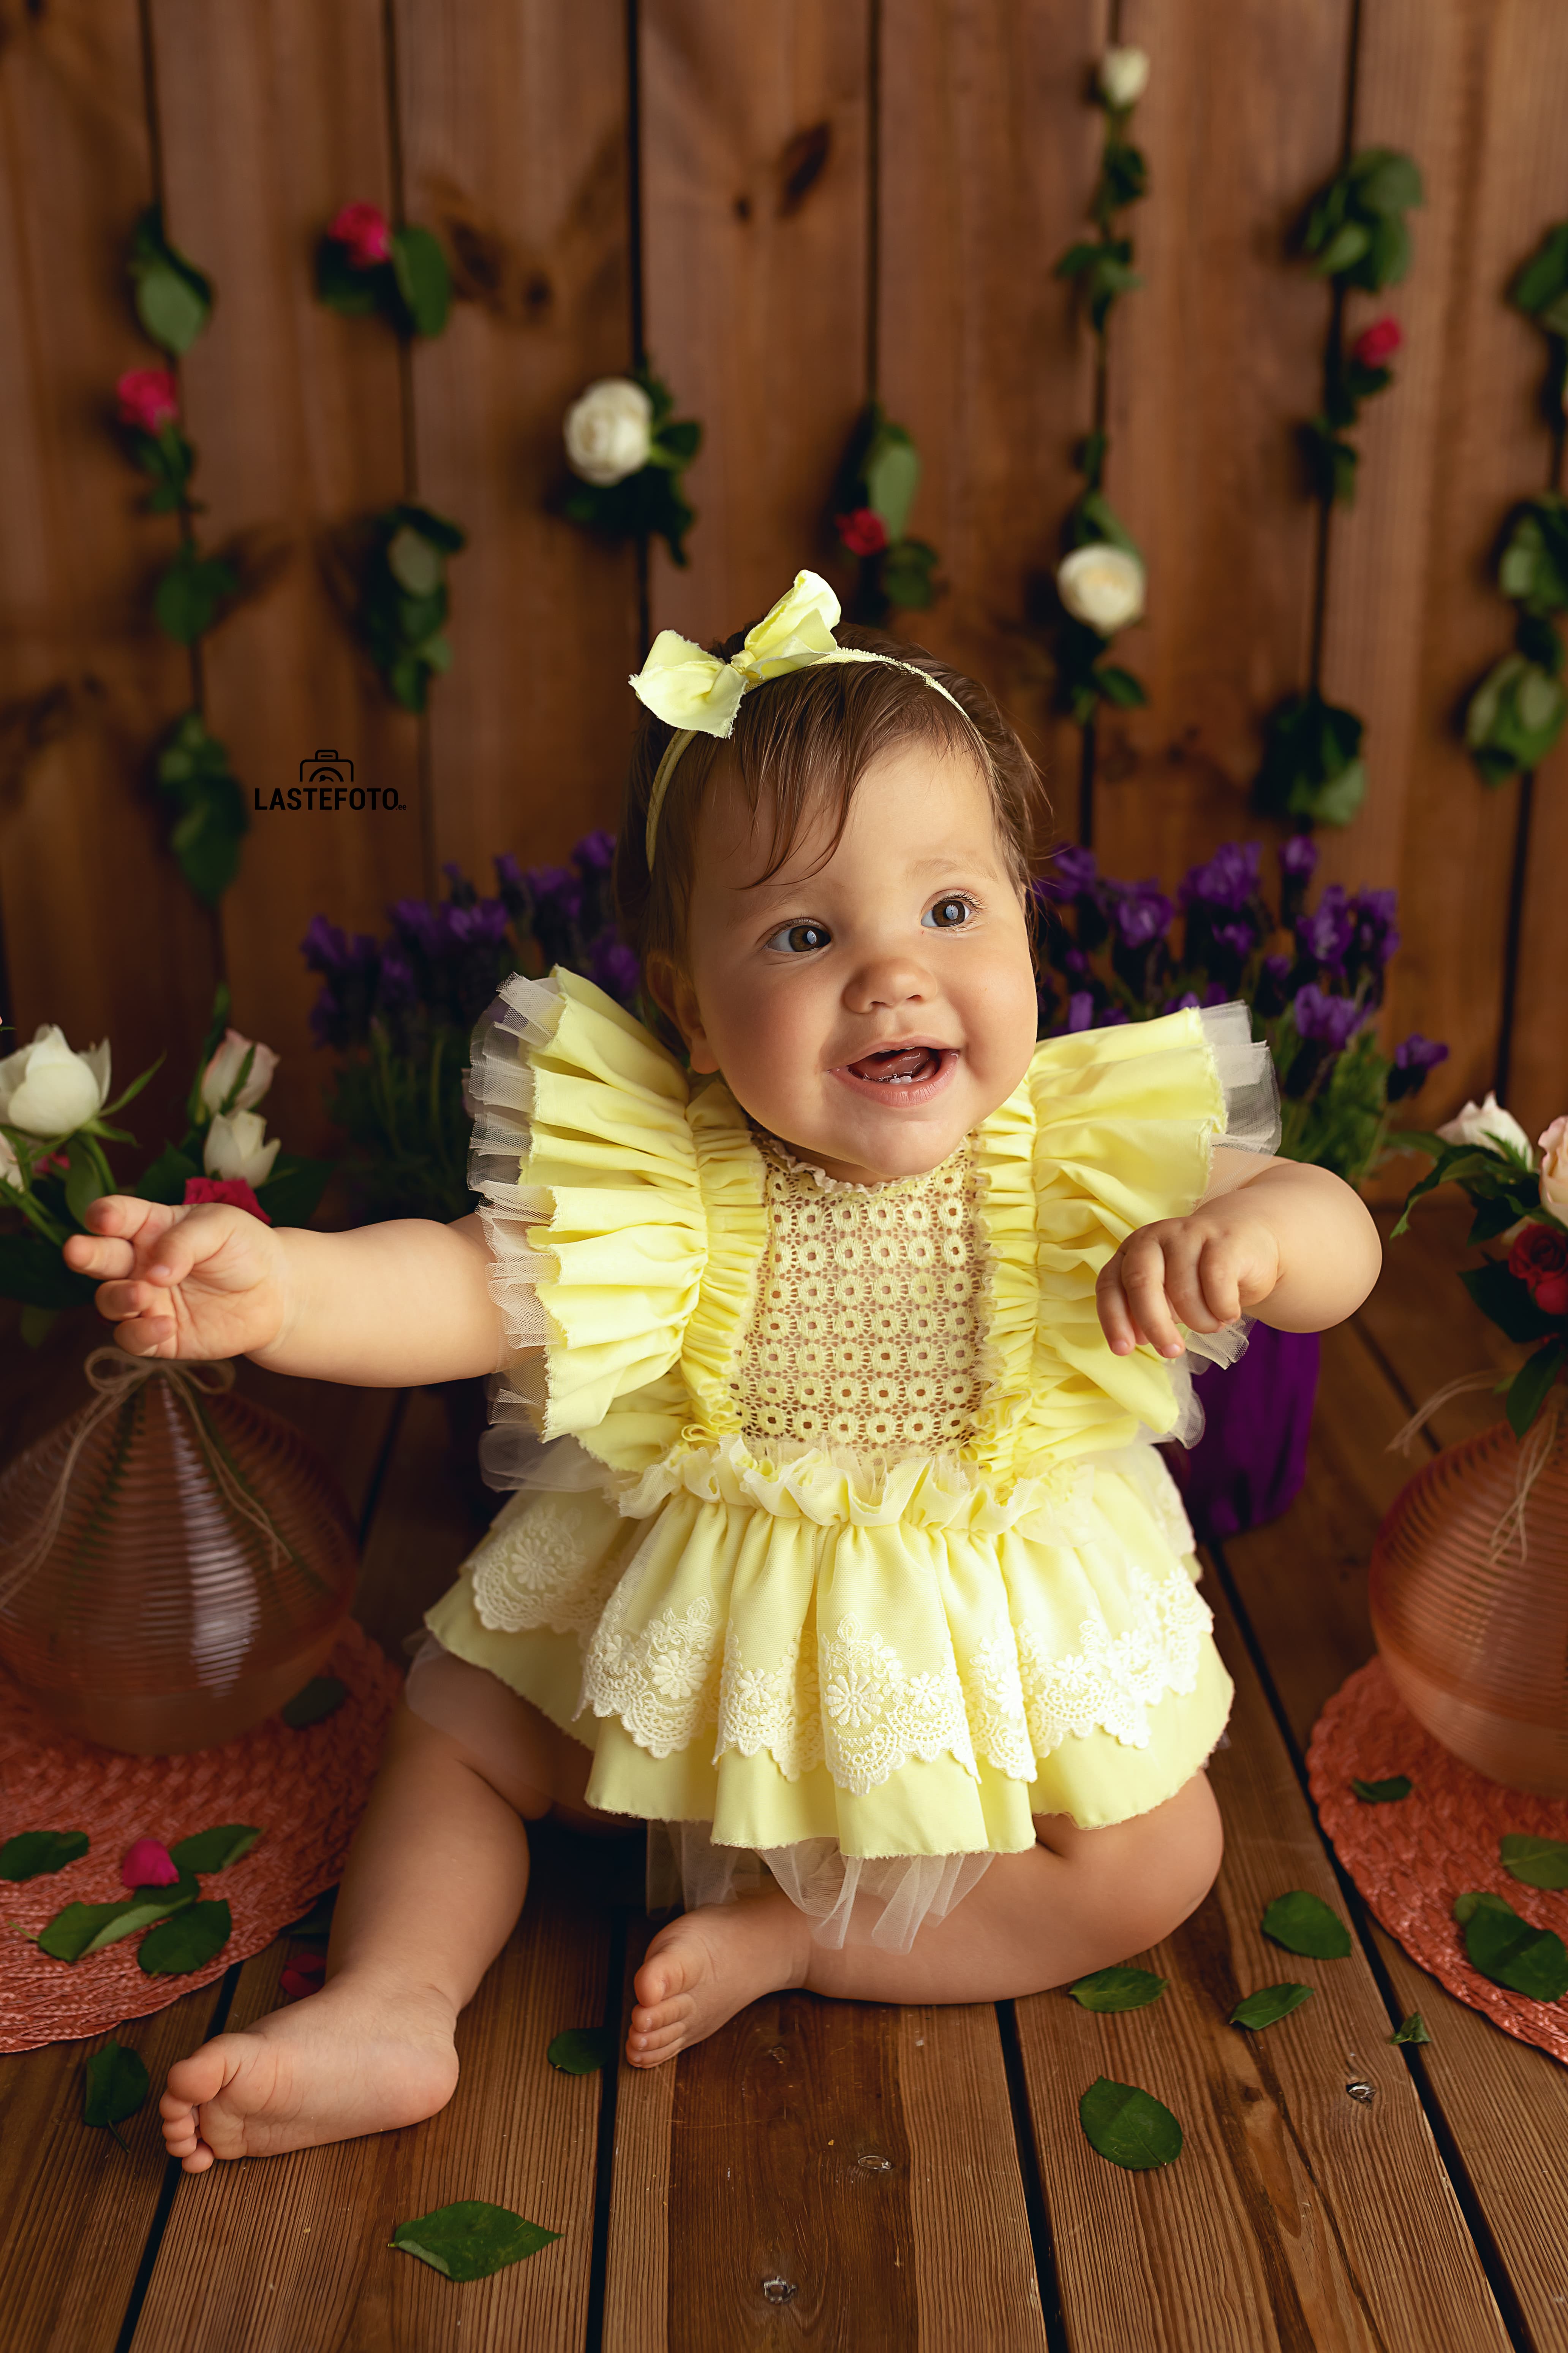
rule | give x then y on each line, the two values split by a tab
832	1330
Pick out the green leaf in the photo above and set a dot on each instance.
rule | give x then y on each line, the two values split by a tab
1412	2030
1505	1300
186	1942
1544	276
1268	2005
84	1185
679	441
1303	1923
582	2050
166	1179
189	594
1345	247
1119	687
907	574
1129	2126
469	2239
32	1853
35	1324
115	2085
1336	802
423	278
893	478
294	1190
32	1270
354	293
1527	1392
216	1849
1537	1861
1508	1950
140	1909
1383	1793
68	1935
321	1697
1386	181
1076	260
415	563
1118	1989
170	309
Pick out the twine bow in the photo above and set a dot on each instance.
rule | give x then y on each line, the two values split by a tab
117	1378
1536	1452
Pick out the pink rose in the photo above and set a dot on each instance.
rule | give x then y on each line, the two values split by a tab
863	533
149	1863
1554	1168
366	232
1540	1258
1376	345
233	1189
149	398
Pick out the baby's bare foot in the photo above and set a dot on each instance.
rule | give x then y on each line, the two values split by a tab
707	1965
352	2059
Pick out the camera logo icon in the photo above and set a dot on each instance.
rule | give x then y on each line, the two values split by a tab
326	767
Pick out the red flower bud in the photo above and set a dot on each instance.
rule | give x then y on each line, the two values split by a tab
149	398
1552	1294
863	533
233	1189
149	1863
366	231
1376	345
1539	1257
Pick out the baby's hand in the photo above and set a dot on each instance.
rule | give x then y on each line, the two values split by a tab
1207	1270
203	1282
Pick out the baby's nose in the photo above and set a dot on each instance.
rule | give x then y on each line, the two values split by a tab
887	982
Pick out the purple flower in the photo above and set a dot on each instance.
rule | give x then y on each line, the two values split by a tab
1238	937
1273	986
1330	1021
481	923
397	987
1142	912
323	946
1412	1059
1073	872
1186	1001
1228	880
1376	933
614	967
596	854
461	891
1325	934
417	922
1081	1012
557	888
1299	858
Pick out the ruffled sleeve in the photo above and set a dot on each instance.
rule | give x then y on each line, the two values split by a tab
1125	1121
585	1165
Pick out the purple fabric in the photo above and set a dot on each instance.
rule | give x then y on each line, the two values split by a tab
1251	1460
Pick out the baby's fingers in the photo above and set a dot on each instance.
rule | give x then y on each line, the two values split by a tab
1133	1302
1220	1268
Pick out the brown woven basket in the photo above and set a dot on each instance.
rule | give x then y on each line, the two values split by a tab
305	1789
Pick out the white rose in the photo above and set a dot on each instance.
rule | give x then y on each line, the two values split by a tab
1487	1122
224	1068
609	431
48	1090
1123	76
235	1148
1554	1168
10	1171
1102	586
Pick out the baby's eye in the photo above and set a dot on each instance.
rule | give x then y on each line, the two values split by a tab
800	939
948	915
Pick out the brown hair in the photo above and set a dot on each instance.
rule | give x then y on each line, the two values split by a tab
809	738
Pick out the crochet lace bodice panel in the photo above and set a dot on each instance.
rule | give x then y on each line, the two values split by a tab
866	1335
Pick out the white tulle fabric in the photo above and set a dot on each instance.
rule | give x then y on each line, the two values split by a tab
882	1901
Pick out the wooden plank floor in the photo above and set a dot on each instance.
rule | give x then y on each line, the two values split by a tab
855	2175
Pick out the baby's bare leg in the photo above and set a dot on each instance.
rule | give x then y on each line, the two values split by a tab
435	1880
1078	1901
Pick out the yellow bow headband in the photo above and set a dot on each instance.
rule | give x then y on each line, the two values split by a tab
697	694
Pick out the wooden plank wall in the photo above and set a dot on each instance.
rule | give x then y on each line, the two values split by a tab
790	209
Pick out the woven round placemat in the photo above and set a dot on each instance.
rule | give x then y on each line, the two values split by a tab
305	1790
1411	1858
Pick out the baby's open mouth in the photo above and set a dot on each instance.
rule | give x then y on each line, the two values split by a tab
900	1066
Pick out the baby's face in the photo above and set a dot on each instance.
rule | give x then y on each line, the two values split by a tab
869	1012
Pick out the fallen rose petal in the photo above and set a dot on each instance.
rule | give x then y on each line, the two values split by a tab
304	1975
149	1863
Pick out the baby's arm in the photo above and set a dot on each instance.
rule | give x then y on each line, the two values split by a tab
383	1306
1275	1238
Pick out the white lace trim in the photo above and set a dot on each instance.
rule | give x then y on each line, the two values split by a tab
545	1562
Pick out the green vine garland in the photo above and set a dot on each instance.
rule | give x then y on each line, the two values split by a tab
365	265
1516	714
628	451
173	302
1356	237
1097	594
873	492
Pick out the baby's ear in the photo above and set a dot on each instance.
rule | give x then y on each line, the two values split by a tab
672	992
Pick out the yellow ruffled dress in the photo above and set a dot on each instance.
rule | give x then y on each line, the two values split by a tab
847	1549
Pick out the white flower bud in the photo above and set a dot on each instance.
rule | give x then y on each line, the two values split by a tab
1487	1122
235	1148
1553	1148
10	1169
225	1066
48	1090
609	431
1102	586
1123	76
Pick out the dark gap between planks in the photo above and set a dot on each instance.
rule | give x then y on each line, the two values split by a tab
1046	2281
1510	2310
